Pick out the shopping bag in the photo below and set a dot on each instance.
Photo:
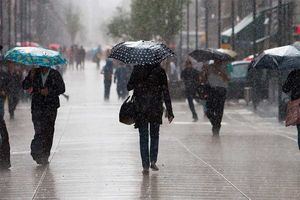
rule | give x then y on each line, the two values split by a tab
293	113
127	111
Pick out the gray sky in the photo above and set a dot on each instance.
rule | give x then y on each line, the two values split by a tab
96	13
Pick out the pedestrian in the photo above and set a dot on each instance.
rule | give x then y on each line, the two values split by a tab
107	71
82	54
14	88
72	56
45	85
218	81
97	56
77	57
190	77
255	79
292	86
121	78
150	88
4	145
173	71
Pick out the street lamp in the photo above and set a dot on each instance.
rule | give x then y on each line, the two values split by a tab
219	23
232	25
206	23
196	24
188	27
1	22
254	28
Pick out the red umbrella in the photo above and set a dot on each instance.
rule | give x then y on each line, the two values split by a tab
249	58
28	44
54	46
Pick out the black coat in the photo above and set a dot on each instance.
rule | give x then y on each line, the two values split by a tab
4	82
55	85
292	84
150	87
190	77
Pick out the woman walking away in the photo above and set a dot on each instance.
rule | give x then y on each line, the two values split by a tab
218	80
292	85
150	86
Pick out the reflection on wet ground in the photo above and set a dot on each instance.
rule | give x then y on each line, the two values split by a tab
96	157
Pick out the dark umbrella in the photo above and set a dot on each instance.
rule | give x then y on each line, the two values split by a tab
280	58
203	55
141	52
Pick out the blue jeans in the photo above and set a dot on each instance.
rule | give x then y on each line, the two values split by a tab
144	143
298	128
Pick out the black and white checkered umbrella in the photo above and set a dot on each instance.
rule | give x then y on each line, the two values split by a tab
141	52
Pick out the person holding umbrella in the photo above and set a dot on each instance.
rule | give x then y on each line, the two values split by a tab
107	71
292	86
218	81
150	89
284	58
45	85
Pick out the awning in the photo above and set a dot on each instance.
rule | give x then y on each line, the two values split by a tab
240	26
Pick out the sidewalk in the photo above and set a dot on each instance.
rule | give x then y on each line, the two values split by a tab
96	157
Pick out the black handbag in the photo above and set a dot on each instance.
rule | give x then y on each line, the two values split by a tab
203	91
127	111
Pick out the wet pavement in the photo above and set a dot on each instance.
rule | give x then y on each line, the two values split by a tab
96	157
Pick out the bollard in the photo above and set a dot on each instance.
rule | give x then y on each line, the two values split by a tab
247	94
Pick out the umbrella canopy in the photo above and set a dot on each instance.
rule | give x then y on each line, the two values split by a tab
35	56
280	58
231	53
141	52
249	58
27	44
54	46
203	55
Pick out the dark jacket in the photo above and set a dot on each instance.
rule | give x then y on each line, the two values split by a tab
292	84
4	82
108	70
150	87
120	77
55	85
15	84
190	77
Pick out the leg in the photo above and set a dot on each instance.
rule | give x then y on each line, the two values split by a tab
191	105
49	129
154	134
4	147
144	145
2	100
37	142
108	89
298	128
211	106
220	102
11	107
106	95
119	92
